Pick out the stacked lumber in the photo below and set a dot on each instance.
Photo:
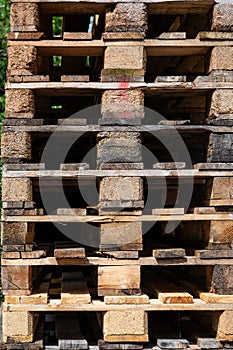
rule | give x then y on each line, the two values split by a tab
127	260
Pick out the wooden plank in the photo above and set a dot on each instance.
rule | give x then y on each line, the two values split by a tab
213	166
72	211
77	36
26	36
36	254
68	332
74	166
105	261
71	121
109	346
214	254
169	165
166	291
168	253
124	254
131	299
168	211
172	35
83	78
97	305
215	298
69	253
116	218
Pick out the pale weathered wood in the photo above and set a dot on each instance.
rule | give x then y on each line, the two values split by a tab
96	305
117	218
114	280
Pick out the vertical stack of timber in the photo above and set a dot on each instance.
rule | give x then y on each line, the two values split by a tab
138	287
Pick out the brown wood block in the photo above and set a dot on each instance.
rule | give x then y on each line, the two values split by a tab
168	253
116	279
70	253
77	36
37	254
26	36
11	255
16	277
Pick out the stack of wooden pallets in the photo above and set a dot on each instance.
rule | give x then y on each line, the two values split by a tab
146	268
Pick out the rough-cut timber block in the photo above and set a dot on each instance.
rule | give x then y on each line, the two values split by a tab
123	326
16	145
22	60
222	279
17	326
122	75
223	17
24	17
220	148
222	323
128	57
122	188
16	278
17	233
20	103
221	231
118	147
123	104
221	103
16	189
118	280
220	188
130	17
121	236
221	58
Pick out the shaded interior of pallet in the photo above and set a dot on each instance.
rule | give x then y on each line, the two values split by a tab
73	18
84	150
58	65
191	23
189	66
191	107
162	235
